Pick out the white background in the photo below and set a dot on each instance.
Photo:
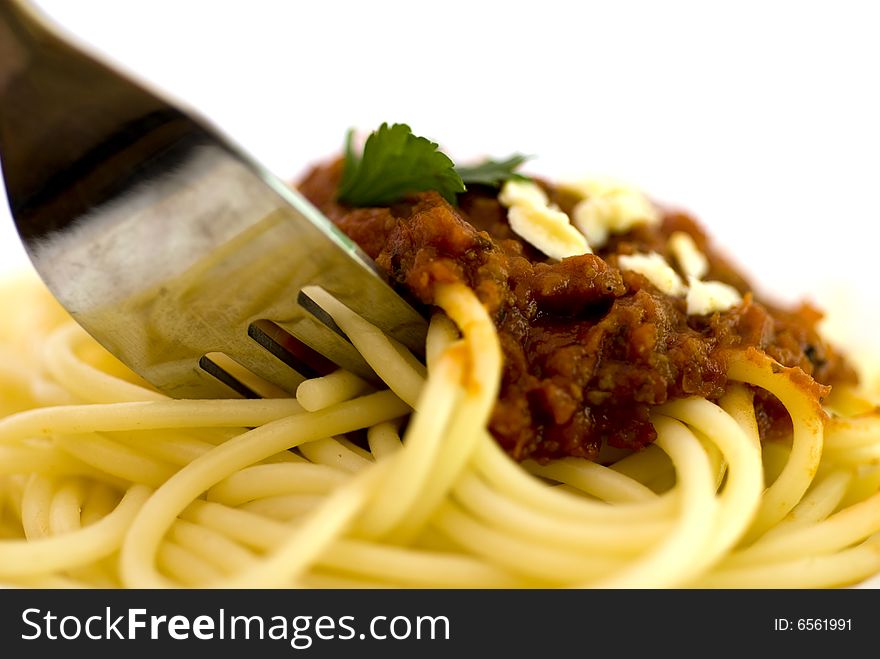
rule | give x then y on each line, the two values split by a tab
760	117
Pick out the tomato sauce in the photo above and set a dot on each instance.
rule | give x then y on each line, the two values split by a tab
588	349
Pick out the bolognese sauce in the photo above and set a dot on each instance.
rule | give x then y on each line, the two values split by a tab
589	348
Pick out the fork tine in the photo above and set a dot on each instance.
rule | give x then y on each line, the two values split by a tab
390	313
290	350
263	363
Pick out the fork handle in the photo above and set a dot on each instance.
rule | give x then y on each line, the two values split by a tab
159	235
64	114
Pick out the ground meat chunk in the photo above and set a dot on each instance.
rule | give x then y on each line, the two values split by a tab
588	350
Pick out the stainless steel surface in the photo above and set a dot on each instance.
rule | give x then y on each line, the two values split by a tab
164	240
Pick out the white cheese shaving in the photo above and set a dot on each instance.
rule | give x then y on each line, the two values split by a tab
533	219
517	193
705	297
691	260
608	206
655	268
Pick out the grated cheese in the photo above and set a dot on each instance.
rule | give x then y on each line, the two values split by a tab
608	206
691	260
544	226
655	268
705	297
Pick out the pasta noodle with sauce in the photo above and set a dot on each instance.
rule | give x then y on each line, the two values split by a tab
106	482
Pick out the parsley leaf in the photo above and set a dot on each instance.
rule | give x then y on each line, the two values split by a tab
394	163
492	172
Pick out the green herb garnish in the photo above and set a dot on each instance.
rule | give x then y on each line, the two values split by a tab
395	163
492	172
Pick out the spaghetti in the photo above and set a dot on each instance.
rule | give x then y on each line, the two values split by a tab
107	483
469	471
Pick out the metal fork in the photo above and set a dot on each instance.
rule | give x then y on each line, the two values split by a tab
165	241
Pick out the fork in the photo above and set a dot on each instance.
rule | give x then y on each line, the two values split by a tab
172	247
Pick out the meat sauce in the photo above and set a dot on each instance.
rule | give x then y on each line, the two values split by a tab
588	349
